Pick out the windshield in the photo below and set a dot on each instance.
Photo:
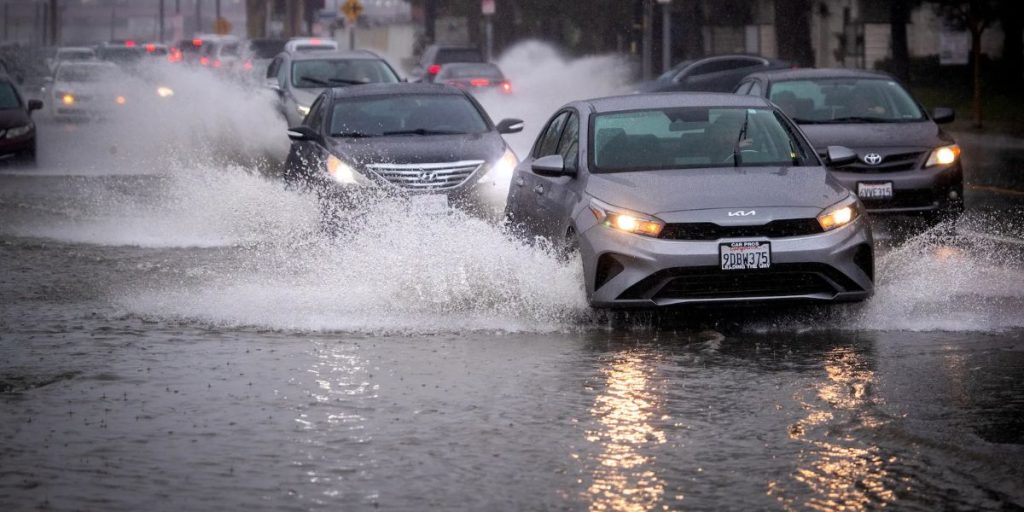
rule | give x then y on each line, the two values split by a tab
8	98
845	100
489	71
120	54
312	74
82	73
75	54
446	55
679	138
375	116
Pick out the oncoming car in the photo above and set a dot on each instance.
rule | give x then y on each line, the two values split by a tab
432	144
692	198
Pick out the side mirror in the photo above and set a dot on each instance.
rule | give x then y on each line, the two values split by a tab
302	133
840	155
507	126
35	105
551	165
943	115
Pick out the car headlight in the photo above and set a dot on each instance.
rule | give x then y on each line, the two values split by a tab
944	155
839	214
624	220
501	170
66	98
303	111
343	173
164	92
19	131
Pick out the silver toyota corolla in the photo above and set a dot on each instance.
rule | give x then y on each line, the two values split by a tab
693	198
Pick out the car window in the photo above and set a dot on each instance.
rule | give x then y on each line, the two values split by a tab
319	73
723	65
755	88
744	88
370	116
8	97
316	114
273	67
568	146
691	137
835	100
547	144
455	71
446	55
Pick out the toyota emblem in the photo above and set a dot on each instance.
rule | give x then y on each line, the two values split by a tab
872	159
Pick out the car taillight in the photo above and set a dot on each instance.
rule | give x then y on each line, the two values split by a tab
197	42
248	65
150	48
217	63
506	86
434	69
479	82
315	40
129	44
204	61
174	55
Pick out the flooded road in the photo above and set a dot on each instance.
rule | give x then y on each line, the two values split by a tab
176	334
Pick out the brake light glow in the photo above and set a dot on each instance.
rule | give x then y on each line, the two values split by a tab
174	55
506	87
129	44
479	82
120	100
204	61
434	69
217	63
197	42
248	65
150	48
315	40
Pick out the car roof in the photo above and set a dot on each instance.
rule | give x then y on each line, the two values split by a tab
816	73
336	54
395	89
673	99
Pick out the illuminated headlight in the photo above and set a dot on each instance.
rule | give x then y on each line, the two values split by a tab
839	214
303	111
164	92
20	131
943	156
622	220
67	98
501	170
343	173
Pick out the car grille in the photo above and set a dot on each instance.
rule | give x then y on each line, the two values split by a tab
710	231
890	163
427	176
782	280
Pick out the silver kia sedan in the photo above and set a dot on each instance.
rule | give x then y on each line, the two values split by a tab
687	198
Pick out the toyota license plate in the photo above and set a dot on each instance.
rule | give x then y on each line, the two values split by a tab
874	190
745	255
429	203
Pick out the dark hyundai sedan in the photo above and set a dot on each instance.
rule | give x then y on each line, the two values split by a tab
906	163
17	130
432	144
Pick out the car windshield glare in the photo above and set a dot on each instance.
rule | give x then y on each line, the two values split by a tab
411	115
845	100
319	73
692	137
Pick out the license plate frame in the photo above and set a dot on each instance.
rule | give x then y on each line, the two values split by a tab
746	255
429	203
875	191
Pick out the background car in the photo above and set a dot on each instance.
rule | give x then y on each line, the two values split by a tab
224	55
437	55
474	77
187	51
906	163
124	53
17	130
720	73
679	199
85	90
298	78
431	143
71	53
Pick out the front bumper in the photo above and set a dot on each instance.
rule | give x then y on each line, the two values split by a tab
23	144
917	190
630	271
485	199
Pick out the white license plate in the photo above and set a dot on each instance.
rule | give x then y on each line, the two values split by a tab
874	190
745	255
429	203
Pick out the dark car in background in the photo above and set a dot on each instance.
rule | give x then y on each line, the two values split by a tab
474	77
720	73
432	144
124	53
905	162
298	78
692	198
437	55
17	130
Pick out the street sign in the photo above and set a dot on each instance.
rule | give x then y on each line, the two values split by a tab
487	7
352	10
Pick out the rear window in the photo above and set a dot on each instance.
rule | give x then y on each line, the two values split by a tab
313	74
446	55
489	71
8	97
118	54
376	116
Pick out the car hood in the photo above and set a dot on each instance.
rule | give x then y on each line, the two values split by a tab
656	192
13	117
419	149
925	134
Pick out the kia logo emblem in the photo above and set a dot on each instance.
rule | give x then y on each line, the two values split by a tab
872	158
428	177
742	213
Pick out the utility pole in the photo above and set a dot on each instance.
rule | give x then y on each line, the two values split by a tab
199	16
487	8
54	24
161	21
429	18
666	35
648	39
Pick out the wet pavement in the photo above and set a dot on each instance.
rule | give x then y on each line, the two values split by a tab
181	337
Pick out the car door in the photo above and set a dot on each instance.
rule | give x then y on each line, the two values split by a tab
556	195
523	205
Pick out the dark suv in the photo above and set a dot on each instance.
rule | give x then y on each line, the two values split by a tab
720	73
905	162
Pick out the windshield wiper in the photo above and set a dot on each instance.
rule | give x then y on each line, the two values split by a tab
346	81
354	135
736	158
424	131
312	80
